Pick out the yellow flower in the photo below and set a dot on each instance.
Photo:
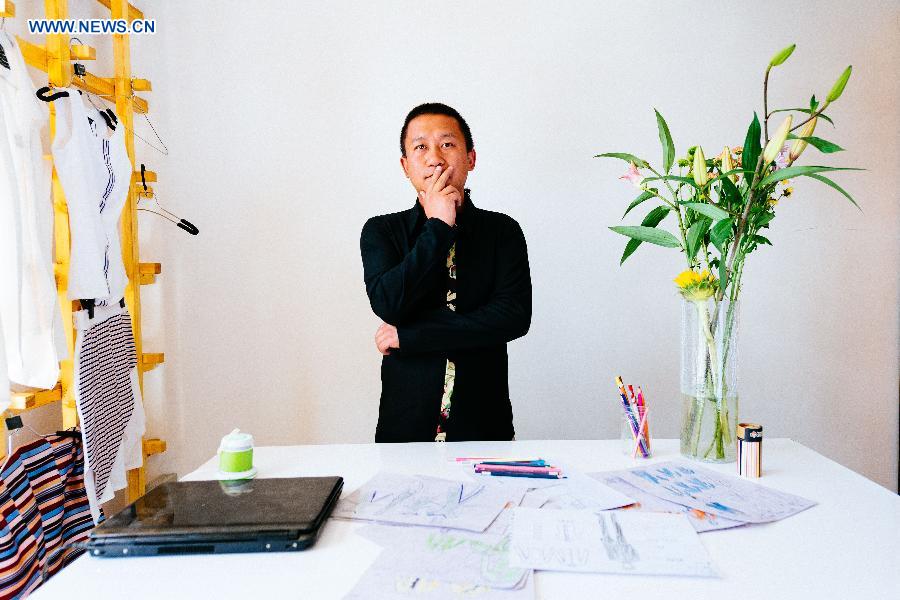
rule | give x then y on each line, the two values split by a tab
696	286
788	191
687	278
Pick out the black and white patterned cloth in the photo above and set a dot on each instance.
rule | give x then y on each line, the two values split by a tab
108	399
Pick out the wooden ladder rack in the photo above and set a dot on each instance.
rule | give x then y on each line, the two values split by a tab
56	59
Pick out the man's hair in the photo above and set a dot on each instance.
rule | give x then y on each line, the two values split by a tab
436	108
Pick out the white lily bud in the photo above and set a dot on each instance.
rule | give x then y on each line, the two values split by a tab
699	169
799	146
777	141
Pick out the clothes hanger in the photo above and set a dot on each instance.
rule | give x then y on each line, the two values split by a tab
181	223
15	424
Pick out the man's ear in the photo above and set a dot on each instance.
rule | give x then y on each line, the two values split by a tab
471	156
405	166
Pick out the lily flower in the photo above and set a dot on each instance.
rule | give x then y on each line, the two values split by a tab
784	157
633	175
776	142
800	145
699	169
727	163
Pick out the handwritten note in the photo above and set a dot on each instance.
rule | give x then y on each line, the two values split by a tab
422	500
726	496
622	542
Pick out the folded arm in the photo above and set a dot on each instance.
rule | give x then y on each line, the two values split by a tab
505	317
396	283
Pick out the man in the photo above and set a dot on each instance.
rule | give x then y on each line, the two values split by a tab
452	284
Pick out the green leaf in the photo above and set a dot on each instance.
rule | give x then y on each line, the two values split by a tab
653	218
813	103
644	196
761	240
713	212
720	233
752	145
688	180
638	162
764	219
732	195
791	172
665	139
827	181
803	110
818	143
660	237
695	236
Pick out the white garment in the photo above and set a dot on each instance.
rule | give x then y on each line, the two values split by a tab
28	302
95	172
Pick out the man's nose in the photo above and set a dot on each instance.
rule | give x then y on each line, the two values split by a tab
435	158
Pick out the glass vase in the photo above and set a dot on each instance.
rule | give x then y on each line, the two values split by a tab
709	386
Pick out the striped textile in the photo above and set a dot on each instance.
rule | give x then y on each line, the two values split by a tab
105	371
43	507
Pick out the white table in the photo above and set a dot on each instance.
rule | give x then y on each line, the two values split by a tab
846	547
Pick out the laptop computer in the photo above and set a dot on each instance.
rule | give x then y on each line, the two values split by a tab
211	517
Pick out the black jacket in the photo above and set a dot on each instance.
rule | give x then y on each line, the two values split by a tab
404	265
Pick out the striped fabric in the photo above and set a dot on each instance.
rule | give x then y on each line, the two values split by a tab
105	396
43	507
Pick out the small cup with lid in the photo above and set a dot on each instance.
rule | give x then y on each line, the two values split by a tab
236	456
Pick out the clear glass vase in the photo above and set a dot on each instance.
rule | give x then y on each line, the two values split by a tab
709	386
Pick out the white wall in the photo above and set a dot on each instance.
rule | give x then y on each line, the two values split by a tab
283	119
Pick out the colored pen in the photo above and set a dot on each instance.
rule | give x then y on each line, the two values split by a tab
495	458
630	415
518	463
531	475
515	469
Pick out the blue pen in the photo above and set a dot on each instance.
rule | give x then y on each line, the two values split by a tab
516	463
531	475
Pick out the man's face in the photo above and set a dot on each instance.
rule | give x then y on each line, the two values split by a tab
432	141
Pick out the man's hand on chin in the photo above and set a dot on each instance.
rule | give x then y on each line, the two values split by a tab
386	338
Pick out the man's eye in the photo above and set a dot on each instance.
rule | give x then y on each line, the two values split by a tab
448	144
420	147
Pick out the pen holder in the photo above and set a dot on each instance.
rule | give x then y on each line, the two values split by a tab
236	456
636	432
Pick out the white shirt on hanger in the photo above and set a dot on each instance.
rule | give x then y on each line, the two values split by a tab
28	302
95	171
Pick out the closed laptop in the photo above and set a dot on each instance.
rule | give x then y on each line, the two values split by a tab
211	517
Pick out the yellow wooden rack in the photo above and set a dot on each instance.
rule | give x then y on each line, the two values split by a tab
56	58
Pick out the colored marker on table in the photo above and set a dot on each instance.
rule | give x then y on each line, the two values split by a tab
629	413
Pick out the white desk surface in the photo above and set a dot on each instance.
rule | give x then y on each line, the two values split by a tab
848	546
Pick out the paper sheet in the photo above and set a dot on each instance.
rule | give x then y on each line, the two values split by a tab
622	542
700	520
423	500
709	491
381	582
447	555
579	492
